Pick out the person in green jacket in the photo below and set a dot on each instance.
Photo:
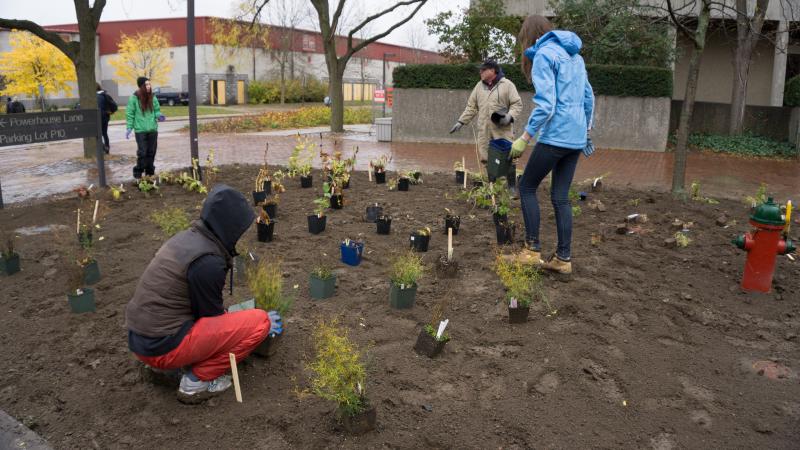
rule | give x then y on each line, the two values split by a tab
142	115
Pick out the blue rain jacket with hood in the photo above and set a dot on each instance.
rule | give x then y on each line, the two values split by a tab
564	98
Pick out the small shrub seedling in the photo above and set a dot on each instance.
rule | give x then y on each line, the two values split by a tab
116	192
759	198
265	281
379	165
171	220
8	249
696	196
301	157
338	373
523	283
682	240
406	269
322	271
147	185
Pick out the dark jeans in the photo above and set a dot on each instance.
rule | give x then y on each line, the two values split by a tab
104	128
146	144
562	162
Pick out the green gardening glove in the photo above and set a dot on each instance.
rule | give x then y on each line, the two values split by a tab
518	147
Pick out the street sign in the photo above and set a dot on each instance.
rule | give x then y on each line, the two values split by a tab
379	96
37	128
389	97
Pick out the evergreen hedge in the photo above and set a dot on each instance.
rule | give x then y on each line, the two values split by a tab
791	95
635	81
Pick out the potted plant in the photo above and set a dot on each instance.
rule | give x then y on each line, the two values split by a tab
352	251
270	206
403	182
432	338
406	270
300	161
373	211
451	221
9	259
335	197
322	282
384	224
338	374
523	285
79	298
378	167
86	260
265	281
265	227
420	239
263	183
460	171
317	221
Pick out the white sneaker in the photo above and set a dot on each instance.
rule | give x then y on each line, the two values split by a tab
194	392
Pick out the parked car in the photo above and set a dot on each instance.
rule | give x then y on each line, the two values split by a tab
171	97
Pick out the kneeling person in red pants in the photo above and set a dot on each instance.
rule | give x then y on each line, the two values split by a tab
176	318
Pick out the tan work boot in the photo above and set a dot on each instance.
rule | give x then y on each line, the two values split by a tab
562	268
526	256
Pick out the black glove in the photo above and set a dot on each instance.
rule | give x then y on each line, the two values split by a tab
456	127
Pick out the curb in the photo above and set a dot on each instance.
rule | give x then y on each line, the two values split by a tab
16	435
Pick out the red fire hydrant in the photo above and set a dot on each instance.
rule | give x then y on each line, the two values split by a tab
762	246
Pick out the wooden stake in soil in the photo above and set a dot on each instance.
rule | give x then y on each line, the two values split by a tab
477	152
78	226
369	172
235	374
449	244
94	216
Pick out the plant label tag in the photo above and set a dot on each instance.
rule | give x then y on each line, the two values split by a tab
252	258
79	291
402	286
360	389
442	326
633	216
513	303
412	238
497	161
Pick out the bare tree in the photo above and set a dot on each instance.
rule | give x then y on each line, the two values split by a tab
697	36
417	38
748	31
336	63
288	15
81	53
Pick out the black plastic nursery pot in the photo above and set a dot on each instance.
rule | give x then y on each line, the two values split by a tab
259	197
518	314
380	177
373	212
9	266
498	218
403	183
428	345
322	287
306	182
477	183
316	224
359	423
505	233
337	201
346	184
265	231
91	273
452	222
460	177
271	209
402	298
384	224
267	187
81	301
419	242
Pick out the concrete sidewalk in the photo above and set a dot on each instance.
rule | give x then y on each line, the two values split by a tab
28	173
14	435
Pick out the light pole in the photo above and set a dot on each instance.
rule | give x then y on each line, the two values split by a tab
385	55
192	83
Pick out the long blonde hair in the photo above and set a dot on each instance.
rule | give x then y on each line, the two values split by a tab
532	29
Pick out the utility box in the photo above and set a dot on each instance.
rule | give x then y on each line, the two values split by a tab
383	129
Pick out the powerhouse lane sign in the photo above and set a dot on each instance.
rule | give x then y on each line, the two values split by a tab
34	128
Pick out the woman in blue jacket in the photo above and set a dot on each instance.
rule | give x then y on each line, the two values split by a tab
562	118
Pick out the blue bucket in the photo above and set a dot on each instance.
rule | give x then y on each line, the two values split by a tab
351	254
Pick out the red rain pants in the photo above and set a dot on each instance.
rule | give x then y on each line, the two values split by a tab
206	346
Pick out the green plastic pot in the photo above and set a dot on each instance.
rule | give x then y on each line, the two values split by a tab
83	302
9	266
322	288
91	273
402	298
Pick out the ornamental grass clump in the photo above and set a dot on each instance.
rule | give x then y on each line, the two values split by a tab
407	269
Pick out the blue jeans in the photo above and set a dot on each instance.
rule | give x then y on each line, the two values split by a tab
562	162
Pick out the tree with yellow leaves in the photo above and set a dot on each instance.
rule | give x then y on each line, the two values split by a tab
143	54
33	62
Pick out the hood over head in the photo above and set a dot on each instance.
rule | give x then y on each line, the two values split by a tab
228	214
568	40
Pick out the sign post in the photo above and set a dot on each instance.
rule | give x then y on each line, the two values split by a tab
37	128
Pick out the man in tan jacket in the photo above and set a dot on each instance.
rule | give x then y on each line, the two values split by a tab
497	104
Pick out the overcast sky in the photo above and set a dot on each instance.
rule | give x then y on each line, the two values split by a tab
52	12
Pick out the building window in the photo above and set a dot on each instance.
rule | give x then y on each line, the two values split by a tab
309	43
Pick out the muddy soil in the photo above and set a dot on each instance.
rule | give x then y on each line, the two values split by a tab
650	347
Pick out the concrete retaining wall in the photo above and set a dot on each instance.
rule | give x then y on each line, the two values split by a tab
713	118
629	123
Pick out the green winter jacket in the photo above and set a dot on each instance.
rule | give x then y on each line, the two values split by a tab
142	121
